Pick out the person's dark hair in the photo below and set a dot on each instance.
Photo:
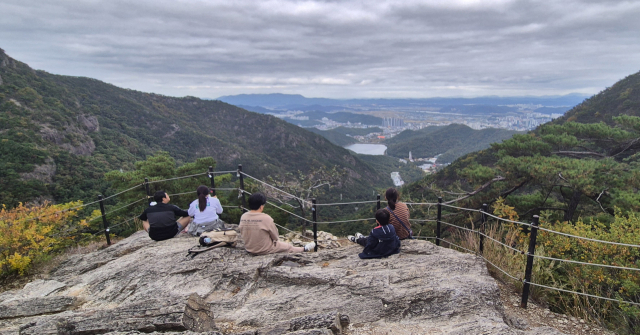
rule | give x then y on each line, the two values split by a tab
392	197
202	192
382	216
159	195
256	200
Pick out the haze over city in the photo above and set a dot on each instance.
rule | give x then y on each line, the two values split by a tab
346	49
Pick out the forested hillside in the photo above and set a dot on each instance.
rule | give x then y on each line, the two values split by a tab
581	176
60	134
450	141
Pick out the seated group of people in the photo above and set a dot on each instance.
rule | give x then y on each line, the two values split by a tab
258	230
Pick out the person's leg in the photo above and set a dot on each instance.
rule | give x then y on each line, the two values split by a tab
362	241
184	223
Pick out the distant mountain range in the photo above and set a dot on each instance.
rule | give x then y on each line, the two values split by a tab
292	101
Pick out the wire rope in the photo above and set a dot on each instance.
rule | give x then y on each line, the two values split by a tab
503	219
585	263
462	208
325	222
117	209
176	178
589	239
585	294
264	183
348	203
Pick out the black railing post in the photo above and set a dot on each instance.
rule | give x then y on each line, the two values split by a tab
213	182
438	221
378	206
315	223
104	220
532	250
146	188
483	221
242	187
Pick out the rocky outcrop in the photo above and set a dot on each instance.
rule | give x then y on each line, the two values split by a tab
90	122
43	173
142	286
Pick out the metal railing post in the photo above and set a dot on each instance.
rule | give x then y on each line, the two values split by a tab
532	250
314	210
146	188
242	187
438	221
483	221
104	220
213	182
378	205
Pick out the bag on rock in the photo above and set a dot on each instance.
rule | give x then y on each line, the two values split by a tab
198	229
218	236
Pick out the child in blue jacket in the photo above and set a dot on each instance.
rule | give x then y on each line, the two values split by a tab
382	241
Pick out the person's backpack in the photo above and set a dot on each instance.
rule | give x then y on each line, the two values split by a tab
226	236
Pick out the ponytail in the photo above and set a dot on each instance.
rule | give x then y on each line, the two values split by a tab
202	192
392	197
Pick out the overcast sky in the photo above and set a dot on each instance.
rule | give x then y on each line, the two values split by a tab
333	49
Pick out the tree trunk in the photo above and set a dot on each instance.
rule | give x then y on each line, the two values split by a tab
573	205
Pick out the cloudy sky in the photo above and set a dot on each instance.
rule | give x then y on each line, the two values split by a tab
333	49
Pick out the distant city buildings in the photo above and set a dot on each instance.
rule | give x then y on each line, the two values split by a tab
392	122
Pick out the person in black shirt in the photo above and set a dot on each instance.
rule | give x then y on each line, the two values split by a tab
160	220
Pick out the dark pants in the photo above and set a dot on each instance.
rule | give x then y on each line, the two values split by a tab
362	241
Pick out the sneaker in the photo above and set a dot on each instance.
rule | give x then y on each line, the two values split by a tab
358	236
310	246
351	238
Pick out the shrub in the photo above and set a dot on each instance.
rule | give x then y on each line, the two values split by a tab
30	234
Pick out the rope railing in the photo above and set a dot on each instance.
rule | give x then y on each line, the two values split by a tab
282	191
484	215
349	203
177	178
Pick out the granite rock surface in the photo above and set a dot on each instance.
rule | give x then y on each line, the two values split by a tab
141	286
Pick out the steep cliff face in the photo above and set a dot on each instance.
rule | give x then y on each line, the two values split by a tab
138	285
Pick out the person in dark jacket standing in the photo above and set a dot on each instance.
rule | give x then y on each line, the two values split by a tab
160	220
382	241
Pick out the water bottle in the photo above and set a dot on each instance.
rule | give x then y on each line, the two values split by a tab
207	240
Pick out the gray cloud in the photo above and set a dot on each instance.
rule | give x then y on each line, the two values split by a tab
339	49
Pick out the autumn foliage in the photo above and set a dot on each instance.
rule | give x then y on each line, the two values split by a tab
30	234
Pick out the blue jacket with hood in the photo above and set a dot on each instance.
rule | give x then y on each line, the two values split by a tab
382	242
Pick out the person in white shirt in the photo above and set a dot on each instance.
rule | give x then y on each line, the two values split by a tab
205	211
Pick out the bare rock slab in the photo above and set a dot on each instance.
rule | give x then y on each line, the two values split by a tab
139	285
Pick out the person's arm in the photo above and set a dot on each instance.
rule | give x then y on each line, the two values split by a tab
192	210
180	212
145	221
217	205
273	230
146	226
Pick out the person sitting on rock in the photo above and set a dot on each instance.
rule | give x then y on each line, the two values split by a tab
259	232
382	241
398	214
205	211
160	220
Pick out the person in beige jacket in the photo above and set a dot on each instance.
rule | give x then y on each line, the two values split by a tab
259	232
